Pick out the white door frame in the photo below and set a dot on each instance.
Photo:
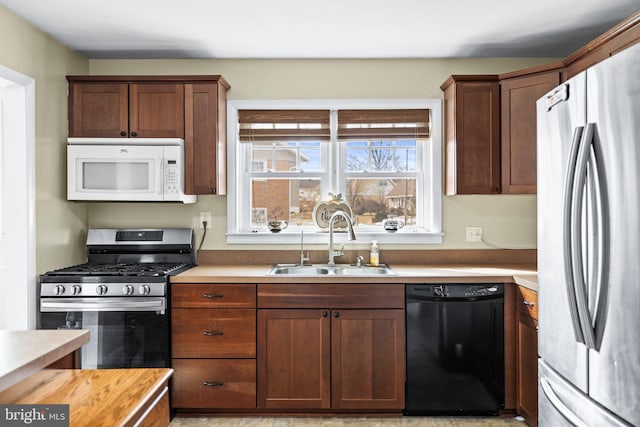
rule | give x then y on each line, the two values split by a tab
18	284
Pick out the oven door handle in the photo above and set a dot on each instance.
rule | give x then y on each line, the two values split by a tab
102	304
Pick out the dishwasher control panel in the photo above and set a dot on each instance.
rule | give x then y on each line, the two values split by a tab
456	290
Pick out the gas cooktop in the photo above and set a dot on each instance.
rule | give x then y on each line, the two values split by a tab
153	269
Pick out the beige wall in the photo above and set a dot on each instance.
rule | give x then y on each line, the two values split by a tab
508	221
60	225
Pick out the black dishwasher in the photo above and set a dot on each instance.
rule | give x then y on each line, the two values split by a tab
455	349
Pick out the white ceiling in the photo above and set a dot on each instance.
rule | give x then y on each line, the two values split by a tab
323	28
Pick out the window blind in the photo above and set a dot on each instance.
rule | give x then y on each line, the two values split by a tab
283	125
383	124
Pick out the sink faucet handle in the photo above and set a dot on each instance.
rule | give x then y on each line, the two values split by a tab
339	251
302	257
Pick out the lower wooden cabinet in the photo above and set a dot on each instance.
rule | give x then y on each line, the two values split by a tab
527	355
367	359
213	337
331	359
274	350
220	333
214	383
294	359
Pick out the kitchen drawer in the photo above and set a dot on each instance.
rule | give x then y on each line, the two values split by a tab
187	295
330	295
226	333
232	383
527	302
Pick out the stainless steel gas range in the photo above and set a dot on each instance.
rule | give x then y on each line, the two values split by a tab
121	295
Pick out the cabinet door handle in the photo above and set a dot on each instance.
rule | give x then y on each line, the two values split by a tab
123	133
213	383
325	314
213	333
213	295
134	134
336	314
529	303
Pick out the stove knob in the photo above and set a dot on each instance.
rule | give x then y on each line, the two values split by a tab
76	289
127	290
144	290
101	289
58	290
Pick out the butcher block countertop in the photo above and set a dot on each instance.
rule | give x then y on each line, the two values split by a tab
98	397
26	352
524	275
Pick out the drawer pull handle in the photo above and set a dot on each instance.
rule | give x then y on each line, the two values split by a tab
213	333
529	303
213	383
213	296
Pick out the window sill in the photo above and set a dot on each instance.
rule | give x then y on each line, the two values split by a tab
322	237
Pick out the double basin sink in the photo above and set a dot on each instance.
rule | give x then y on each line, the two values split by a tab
331	270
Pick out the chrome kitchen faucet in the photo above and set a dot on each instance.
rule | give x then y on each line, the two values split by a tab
351	235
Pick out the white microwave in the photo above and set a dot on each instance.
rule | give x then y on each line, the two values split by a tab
126	169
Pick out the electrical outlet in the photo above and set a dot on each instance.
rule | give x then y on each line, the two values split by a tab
205	216
474	234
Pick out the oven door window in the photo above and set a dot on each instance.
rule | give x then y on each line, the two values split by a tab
118	339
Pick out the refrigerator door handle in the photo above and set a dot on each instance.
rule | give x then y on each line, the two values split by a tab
577	239
577	259
559	405
601	243
568	224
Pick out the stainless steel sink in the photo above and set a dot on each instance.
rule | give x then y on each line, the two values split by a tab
331	270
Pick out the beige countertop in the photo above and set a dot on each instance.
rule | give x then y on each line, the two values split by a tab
527	280
524	275
26	352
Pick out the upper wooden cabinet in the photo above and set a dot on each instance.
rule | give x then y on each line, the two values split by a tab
518	120
121	110
490	120
205	138
618	38
189	107
472	134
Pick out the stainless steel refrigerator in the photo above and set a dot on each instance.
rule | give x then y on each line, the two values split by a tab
589	247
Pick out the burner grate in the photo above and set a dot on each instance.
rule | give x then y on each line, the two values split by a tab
121	269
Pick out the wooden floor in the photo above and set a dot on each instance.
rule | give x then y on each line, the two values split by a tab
347	422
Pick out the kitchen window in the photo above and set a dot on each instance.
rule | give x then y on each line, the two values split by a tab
382	157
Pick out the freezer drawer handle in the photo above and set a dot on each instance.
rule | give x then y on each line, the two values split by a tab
557	403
